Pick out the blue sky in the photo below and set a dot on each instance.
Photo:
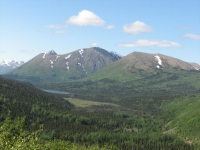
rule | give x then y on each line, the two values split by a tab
170	27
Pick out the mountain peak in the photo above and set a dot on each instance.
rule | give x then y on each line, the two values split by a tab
77	64
52	52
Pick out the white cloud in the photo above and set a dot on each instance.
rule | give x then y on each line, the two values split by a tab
54	26
146	43
192	36
110	27
86	18
31	51
60	32
94	44
137	27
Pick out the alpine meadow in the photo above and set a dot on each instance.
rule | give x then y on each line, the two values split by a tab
99	75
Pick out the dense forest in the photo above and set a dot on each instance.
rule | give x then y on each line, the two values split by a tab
51	122
146	93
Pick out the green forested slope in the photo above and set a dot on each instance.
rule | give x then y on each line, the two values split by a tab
184	118
23	99
144	93
62	127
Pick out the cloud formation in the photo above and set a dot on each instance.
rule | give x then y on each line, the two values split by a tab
60	32
55	26
110	27
146	43
94	44
137	27
192	36
86	18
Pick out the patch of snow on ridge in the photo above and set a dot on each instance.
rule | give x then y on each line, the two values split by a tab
81	52
57	57
84	69
196	68
44	55
51	61
67	63
68	56
158	66
158	59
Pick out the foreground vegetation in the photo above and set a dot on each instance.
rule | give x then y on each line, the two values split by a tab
139	121
184	118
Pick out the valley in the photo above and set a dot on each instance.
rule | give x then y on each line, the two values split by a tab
140	101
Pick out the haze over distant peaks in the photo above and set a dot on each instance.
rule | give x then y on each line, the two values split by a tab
8	65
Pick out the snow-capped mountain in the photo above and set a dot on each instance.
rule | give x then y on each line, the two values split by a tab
9	65
66	67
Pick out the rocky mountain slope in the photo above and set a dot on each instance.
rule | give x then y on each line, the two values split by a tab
8	65
53	67
196	66
135	64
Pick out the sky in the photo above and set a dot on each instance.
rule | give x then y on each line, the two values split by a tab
31	27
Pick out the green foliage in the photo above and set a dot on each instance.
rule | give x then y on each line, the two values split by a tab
131	126
145	93
183	116
13	136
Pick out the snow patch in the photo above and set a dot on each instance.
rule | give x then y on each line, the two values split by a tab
68	56
57	57
44	55
158	59
84	69
196	68
11	63
158	66
51	61
81	52
67	63
79	64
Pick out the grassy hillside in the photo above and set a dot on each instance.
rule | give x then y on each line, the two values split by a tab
184	118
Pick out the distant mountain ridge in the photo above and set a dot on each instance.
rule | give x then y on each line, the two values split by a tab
132	65
8	65
52	67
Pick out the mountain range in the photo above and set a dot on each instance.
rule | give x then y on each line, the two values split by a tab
137	64
150	91
8	65
52	67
